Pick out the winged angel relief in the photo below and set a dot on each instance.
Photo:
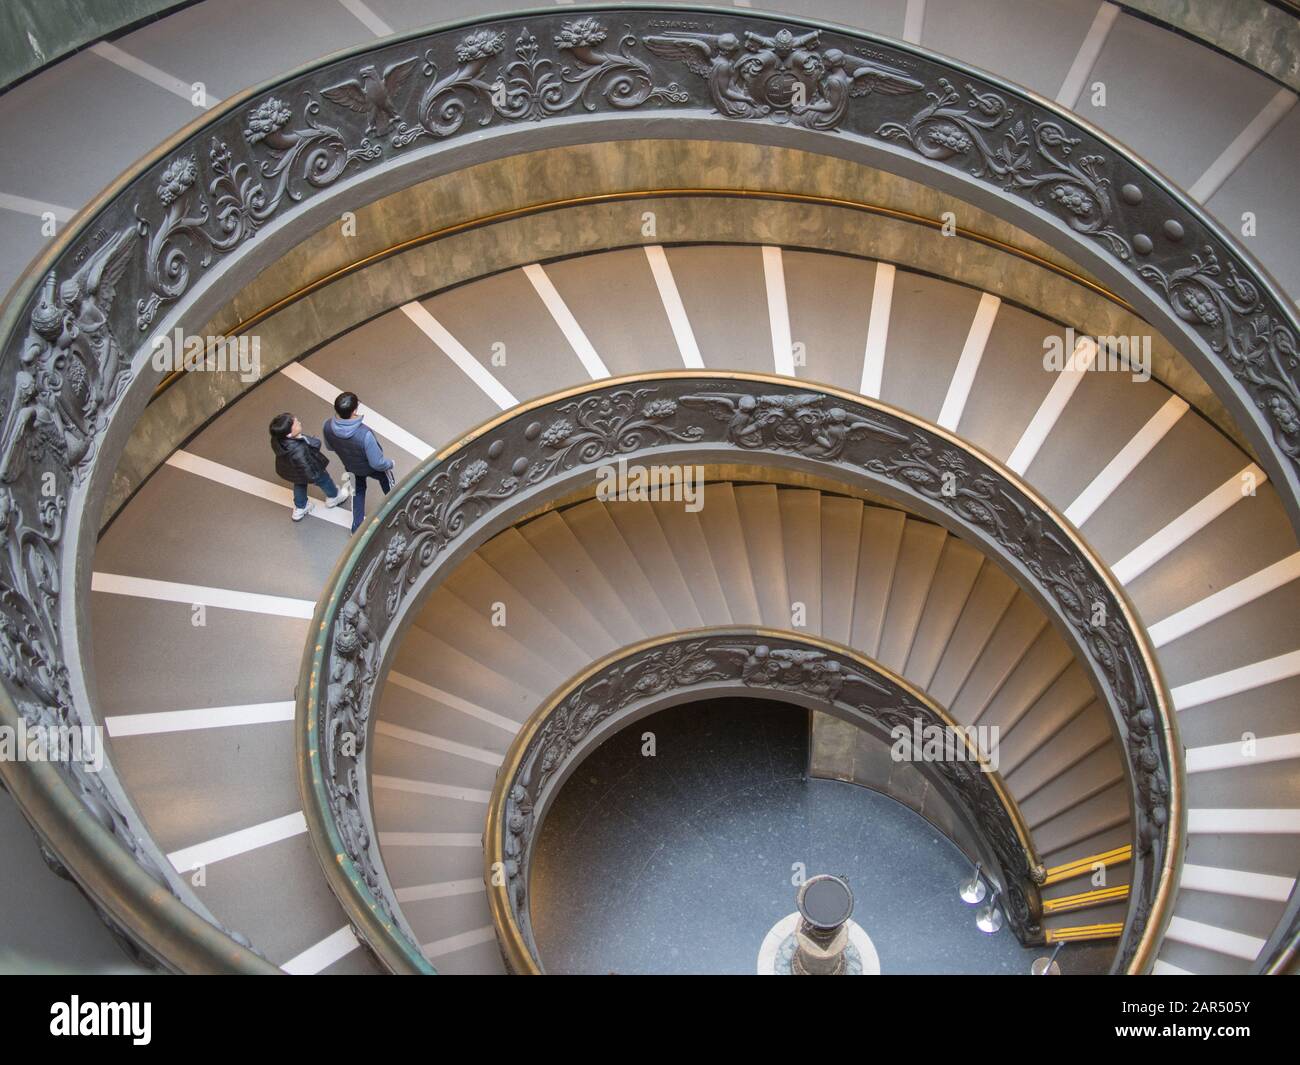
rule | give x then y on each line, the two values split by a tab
781	77
71	368
796	422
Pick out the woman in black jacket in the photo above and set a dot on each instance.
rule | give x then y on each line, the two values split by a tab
299	461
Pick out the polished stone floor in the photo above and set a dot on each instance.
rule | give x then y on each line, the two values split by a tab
680	863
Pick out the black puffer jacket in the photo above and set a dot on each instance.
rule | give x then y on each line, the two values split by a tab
298	459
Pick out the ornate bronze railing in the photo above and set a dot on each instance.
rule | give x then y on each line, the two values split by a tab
712	663
173	239
549	448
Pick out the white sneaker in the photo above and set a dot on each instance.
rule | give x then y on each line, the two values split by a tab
301	512
345	490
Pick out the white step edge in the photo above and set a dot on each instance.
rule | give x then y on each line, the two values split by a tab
1232	755
1236	882
1053	406
322	955
968	364
1116	471
431	789
120	725
1228	599
1211	937
559	311
460	356
1243	822
197	594
673	307
240	842
1245	678
1185	526
437	743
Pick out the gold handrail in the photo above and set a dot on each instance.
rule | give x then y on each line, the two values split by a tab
510	935
347	886
719	192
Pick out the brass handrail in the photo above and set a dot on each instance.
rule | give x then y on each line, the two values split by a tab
484	482
511	830
161	242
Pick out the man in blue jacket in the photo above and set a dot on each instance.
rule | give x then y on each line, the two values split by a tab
357	447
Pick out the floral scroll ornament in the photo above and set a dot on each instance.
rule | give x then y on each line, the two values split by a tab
1032	156
1256	345
532	85
243	199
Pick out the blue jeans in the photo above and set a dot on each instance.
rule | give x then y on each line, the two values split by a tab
324	482
385	480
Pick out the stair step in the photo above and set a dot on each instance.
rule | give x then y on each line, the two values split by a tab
918	559
882	540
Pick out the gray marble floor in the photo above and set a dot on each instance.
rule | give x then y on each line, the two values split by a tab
680	863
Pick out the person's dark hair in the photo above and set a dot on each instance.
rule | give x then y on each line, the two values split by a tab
346	405
281	426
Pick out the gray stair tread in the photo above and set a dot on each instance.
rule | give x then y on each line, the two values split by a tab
882	539
761	520
183	528
645	538
918	558
275	895
615	299
801	534
132	679
928	323
396	369
512	556
449	618
1050	737
1104	810
720	520
1254	186
989	600
1163	486
481	587
841	529
709	276
958	568
554	541
1150	75
595	529
685	536
434	661
194	786
1089	776
1011	383
1016	633
538	357
833	345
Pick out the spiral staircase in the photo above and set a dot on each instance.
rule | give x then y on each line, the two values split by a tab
201	597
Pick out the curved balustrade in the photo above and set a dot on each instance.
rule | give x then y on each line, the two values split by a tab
170	241
556	446
706	664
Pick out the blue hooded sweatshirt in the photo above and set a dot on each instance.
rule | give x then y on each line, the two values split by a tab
355	443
